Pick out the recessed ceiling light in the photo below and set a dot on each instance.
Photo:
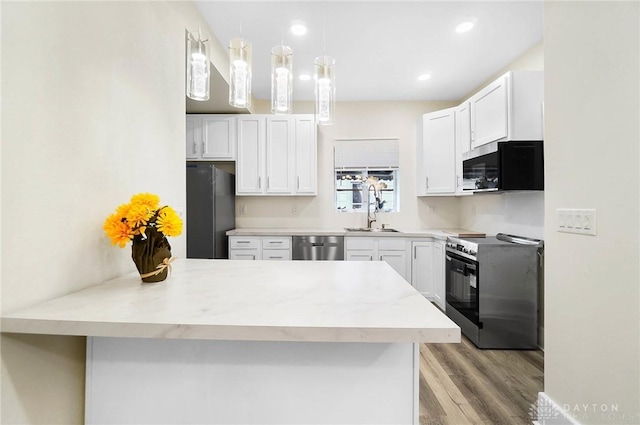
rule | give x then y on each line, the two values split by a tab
424	77
304	77
464	27
298	29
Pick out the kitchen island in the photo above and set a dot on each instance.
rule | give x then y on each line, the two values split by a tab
249	342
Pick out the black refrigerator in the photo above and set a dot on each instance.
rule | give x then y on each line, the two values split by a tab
210	210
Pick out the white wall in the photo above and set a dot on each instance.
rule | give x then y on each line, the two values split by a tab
93	111
357	120
592	157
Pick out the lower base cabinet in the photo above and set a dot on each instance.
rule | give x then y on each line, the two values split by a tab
427	270
391	250
274	248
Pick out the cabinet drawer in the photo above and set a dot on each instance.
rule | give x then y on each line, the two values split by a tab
393	244
244	243
244	254
359	243
276	243
276	254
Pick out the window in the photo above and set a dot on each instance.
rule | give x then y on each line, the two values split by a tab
366	170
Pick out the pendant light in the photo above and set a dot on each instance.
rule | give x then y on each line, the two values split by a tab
240	73
198	68
281	79
325	89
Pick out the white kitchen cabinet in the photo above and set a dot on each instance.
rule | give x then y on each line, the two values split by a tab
271	248
276	248
422	268
279	154
463	140
436	154
276	155
306	155
211	137
439	274
392	250
359	255
427	270
245	248
510	108
251	145
194	139
396	259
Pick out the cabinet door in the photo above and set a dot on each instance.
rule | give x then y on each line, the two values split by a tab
422	268
218	137
193	137
359	255
306	155
463	139
438	274
396	259
439	151
489	113
249	165
279	155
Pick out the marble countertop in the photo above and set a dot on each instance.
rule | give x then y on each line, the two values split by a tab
322	301
401	233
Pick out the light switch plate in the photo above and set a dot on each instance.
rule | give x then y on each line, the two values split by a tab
581	221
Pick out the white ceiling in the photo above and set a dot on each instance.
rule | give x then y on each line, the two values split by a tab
381	47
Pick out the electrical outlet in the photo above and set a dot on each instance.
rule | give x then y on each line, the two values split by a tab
431	209
581	221
294	209
242	209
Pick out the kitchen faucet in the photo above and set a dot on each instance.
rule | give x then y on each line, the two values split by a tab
371	219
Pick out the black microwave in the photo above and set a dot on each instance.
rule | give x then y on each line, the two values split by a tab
515	165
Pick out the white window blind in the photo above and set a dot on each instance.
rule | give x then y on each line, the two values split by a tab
366	153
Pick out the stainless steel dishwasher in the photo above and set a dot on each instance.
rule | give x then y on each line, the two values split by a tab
316	248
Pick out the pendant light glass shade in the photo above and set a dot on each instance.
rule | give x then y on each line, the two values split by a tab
240	73
325	90
198	68
281	79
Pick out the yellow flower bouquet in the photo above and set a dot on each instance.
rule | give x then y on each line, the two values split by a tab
146	224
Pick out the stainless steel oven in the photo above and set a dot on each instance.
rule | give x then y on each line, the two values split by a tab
462	286
492	289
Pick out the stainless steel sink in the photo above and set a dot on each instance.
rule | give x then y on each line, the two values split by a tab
364	229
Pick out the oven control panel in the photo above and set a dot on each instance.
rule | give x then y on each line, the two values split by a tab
463	246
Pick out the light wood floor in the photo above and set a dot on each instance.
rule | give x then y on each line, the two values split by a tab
461	384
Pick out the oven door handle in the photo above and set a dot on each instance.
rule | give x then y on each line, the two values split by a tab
471	267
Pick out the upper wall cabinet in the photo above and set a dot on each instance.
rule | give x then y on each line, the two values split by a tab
436	153
463	140
211	137
276	155
510	108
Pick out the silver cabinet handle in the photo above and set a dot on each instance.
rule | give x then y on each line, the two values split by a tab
415	248
268	185
275	241
298	182
276	257
458	180
371	258
243	241
427	182
259	182
381	258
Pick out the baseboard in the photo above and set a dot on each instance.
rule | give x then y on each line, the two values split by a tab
541	337
545	411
